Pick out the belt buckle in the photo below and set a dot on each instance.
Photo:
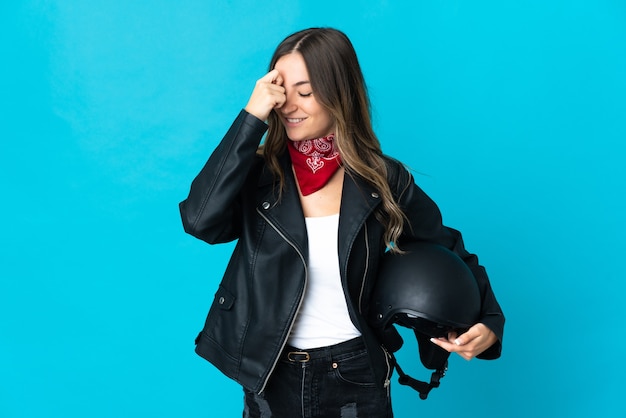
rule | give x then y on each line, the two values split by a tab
293	356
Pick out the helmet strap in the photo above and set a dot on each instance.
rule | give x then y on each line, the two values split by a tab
422	387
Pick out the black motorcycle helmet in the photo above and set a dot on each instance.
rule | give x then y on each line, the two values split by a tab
430	290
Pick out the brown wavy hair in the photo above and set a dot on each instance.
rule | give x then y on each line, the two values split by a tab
338	84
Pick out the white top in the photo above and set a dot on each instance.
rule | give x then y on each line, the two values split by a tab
323	318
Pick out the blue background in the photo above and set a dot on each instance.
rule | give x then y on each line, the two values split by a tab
512	114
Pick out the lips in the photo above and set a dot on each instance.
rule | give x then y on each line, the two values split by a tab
294	120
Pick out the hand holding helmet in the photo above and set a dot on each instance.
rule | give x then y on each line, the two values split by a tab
469	344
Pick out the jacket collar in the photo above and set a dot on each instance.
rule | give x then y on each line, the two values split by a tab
358	200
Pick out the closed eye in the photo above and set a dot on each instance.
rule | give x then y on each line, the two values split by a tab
305	94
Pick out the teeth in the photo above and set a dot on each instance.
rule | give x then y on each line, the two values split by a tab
295	120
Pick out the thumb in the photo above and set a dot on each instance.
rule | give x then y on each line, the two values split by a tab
466	337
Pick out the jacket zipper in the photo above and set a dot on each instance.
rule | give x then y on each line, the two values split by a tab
367	263
306	277
387	382
387	379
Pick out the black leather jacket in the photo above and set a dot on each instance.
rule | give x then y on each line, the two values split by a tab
235	197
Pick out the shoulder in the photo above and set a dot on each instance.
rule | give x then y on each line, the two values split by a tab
398	176
394	166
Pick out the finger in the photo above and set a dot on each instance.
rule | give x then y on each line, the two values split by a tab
275	89
277	94
270	77
445	344
468	336
453	348
280	101
278	80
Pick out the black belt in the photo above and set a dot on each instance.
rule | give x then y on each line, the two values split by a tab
296	355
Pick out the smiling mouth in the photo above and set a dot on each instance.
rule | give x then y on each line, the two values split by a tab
295	120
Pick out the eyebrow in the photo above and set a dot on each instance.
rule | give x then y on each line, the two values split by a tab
300	83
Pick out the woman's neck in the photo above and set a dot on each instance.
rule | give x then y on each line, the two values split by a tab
327	200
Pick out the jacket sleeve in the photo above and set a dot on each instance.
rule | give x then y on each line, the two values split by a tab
425	223
212	211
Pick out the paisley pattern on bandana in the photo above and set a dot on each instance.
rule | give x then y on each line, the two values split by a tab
315	161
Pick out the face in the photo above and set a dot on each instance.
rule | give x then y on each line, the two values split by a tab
302	116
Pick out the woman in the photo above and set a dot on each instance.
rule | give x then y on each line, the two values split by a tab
313	209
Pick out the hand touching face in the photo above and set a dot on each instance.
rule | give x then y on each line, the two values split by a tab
287	90
268	94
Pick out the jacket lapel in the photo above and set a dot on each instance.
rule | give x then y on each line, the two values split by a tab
285	215
358	201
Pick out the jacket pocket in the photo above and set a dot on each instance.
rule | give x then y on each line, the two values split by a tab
224	299
223	326
220	340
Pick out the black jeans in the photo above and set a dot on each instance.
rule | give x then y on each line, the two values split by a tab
328	382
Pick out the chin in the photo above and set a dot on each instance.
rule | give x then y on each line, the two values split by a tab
303	136
297	137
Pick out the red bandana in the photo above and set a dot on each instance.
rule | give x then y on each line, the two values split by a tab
314	161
